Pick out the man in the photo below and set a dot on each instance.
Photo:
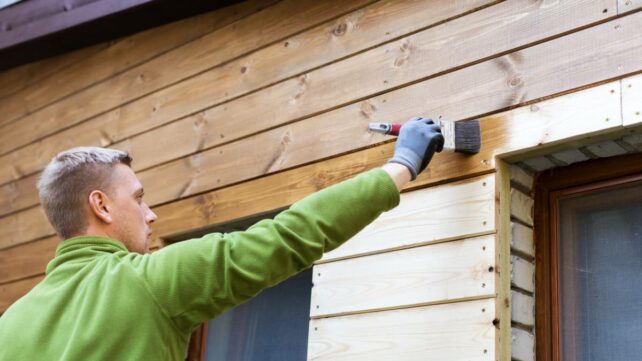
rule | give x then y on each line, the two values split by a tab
105	298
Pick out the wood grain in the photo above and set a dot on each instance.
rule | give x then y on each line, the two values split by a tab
435	273
632	101
624	6
24	226
278	21
502	259
521	207
119	56
449	211
27	260
482	88
457	331
521	129
11	292
16	79
325	43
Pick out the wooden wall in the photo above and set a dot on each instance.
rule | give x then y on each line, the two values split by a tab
250	108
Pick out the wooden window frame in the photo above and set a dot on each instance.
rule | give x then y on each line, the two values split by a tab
549	186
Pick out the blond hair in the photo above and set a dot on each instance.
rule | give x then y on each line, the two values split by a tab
67	181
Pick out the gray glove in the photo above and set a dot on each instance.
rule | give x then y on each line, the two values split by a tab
418	140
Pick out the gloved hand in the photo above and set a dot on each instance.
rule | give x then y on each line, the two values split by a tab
418	141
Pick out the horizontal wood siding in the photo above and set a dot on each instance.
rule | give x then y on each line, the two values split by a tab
248	109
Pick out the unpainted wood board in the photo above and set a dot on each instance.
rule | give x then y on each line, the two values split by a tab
456	331
606	149
502	256
118	56
15	79
278	21
361	29
449	211
523	128
628	5
436	273
27	260
632	100
11	292
570	156
24	226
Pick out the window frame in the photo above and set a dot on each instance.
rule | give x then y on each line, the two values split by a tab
550	185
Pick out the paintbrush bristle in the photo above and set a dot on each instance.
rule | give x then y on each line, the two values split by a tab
467	136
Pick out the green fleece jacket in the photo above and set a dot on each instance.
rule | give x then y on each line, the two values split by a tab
100	302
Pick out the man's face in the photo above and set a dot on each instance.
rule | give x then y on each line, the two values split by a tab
132	218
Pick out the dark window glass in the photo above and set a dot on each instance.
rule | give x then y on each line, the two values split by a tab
601	275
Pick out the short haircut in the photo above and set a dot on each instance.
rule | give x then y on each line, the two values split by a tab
67	181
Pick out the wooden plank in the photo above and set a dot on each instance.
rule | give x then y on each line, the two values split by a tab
464	98
624	6
539	163
503	269
24	226
325	43
524	128
457	331
20	195
450	211
436	273
11	292
632	100
27	260
278	21
120	55
15	79
606	149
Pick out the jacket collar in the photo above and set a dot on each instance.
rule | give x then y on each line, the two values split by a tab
84	248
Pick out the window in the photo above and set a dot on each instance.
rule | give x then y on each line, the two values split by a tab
271	326
589	261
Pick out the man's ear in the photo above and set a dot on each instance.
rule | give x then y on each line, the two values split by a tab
100	206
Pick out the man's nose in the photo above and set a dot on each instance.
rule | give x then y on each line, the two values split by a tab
151	216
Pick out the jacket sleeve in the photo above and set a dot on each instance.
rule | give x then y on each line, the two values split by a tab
197	279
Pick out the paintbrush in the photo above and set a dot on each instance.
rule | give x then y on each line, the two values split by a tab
463	136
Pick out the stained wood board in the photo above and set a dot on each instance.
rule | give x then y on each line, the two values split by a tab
523	128
11	292
16	196
278	21
24	226
456	331
412	100
464	100
449	211
632	101
436	273
119	56
361	29
15	79
27	260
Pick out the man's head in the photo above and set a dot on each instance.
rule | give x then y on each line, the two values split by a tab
93	191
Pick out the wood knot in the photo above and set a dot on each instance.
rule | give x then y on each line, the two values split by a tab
368	109
303	81
243	69
515	81
340	29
